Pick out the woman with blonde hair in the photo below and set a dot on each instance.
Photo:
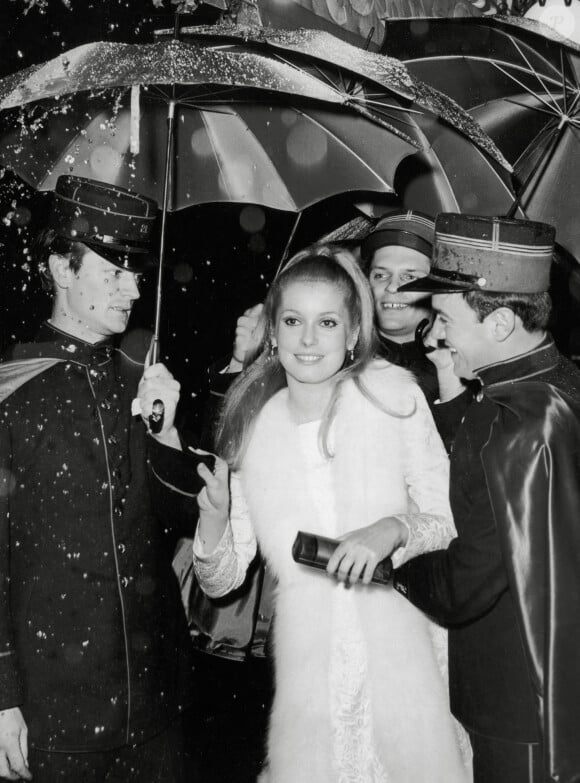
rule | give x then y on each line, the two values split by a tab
322	437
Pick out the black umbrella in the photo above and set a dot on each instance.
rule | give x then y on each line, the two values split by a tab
521	81
457	168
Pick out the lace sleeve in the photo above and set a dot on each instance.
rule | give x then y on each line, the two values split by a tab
224	569
426	467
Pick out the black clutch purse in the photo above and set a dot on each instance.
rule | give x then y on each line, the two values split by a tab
315	551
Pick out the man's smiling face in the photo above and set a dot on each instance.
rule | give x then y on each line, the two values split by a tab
468	338
96	300
398	314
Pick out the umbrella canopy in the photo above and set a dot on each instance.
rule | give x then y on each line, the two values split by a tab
247	127
244	115
261	117
457	167
521	81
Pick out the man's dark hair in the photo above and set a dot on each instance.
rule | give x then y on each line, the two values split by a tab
533	309
47	243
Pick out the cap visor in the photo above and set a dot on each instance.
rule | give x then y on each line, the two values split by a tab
437	285
134	261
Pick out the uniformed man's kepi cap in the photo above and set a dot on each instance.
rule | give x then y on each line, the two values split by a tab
405	228
489	254
116	223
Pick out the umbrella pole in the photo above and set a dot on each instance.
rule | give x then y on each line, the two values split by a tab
288	243
155	348
155	353
156	419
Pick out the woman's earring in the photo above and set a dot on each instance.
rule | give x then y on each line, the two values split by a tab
273	351
351	355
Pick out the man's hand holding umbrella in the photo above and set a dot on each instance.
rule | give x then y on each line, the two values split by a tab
159	385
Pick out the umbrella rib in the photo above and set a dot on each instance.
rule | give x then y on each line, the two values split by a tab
372	102
574	104
204	102
216	155
377	114
383	121
216	95
549	105
346	147
277	56
497	63
191	100
345	90
327	79
383	116
494	173
445	175
378	109
532	70
563	81
548	111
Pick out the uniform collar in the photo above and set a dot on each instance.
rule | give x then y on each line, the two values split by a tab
53	343
403	354
523	367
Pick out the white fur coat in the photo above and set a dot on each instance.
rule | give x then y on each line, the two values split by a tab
385	657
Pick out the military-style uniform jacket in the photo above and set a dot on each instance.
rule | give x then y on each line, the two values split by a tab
94	646
509	585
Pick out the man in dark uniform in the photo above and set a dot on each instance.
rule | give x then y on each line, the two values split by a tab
94	650
397	251
508	587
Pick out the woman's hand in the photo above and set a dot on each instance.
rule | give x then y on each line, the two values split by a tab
245	339
359	552
450	386
214	504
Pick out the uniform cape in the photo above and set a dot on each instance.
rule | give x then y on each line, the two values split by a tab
35	358
15	374
532	467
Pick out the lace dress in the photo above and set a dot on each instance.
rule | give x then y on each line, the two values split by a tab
353	749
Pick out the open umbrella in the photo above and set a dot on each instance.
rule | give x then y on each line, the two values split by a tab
101	111
279	127
456	168
521	81
256	111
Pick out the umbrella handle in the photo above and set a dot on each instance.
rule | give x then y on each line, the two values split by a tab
157	416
